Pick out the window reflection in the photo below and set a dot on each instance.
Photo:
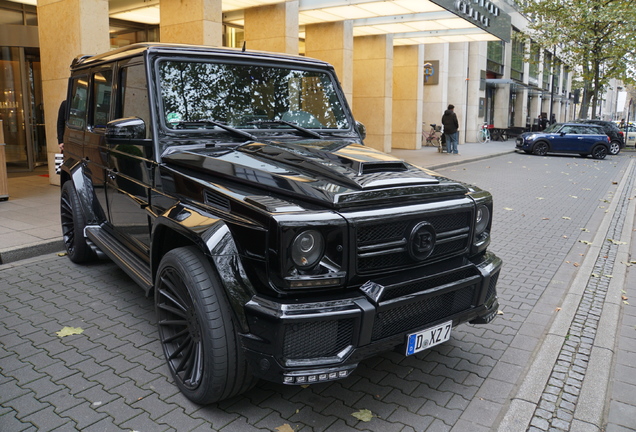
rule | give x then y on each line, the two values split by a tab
245	96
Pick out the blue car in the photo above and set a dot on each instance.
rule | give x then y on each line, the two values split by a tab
579	138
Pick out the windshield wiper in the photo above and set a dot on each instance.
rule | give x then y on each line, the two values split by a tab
305	131
236	132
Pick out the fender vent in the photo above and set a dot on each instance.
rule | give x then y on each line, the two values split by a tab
217	201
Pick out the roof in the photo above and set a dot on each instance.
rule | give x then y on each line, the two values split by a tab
83	61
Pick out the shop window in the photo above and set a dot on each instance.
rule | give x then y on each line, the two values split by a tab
102	87
547	66
534	60
79	99
518	51
495	61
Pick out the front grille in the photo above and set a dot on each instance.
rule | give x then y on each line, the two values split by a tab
429	283
417	315
317	339
492	287
384	245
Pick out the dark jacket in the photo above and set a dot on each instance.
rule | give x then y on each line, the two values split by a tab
449	120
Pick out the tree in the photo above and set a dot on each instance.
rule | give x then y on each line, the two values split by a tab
597	38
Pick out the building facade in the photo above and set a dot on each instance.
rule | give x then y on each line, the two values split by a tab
400	62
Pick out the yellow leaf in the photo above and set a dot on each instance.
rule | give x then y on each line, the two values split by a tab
540	198
363	415
609	276
61	254
67	331
625	302
500	312
285	428
573	196
507	208
616	242
585	230
594	274
566	218
585	242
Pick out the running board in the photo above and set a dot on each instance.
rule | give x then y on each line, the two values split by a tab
130	263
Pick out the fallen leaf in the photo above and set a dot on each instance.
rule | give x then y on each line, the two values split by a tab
566	218
285	428
585	230
500	312
558	309
508	208
585	242
625	303
573	196
609	276
540	198
68	331
565	236
623	297
594	274
545	219
614	182
576	264
61	254
363	415
616	242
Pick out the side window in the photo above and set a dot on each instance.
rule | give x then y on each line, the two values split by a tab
102	88
79	99
567	129
134	94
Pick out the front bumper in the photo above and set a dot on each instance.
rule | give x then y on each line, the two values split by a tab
298	343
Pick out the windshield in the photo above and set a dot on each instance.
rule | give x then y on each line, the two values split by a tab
553	128
247	96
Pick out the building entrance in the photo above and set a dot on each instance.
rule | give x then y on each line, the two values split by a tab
21	109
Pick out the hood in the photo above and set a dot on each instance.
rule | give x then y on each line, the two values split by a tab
336	174
447	112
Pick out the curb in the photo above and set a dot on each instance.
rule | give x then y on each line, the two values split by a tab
30	251
464	161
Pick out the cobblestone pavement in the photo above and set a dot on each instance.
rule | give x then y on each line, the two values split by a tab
113	377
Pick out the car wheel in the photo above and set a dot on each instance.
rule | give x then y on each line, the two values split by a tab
615	148
599	152
197	329
73	224
540	148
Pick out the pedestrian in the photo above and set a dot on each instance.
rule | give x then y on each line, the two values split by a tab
61	124
552	119
451	129
544	120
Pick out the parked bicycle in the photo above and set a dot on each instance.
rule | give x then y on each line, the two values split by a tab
484	133
432	138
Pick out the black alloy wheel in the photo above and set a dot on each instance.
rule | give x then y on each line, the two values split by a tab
599	151
73	224
541	148
197	329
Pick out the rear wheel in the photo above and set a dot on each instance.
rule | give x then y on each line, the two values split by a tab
615	148
197	329
599	152
540	148
73	224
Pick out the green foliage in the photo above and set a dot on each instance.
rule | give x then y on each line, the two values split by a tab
597	38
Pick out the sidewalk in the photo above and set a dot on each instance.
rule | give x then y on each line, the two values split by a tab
30	219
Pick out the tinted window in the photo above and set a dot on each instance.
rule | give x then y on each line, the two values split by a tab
79	99
102	88
134	94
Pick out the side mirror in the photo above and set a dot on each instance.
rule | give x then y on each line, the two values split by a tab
362	130
131	128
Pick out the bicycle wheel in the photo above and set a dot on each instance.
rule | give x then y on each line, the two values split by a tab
481	136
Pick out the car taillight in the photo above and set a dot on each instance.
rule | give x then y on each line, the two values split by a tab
621	133
609	140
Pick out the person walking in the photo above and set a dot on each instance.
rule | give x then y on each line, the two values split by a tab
451	129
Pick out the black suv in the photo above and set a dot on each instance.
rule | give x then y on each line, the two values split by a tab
235	187
617	141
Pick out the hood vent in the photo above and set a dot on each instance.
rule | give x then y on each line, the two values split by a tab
377	167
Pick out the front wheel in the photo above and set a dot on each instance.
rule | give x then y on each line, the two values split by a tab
73	224
599	152
198	330
615	148
481	136
540	148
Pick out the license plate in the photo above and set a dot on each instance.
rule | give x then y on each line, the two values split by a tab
424	339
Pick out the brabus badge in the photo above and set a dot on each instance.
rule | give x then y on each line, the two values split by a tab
422	241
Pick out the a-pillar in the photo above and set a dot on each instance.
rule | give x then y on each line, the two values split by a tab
333	43
408	90
373	88
272	28
192	21
66	28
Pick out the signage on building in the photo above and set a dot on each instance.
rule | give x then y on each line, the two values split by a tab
431	72
483	13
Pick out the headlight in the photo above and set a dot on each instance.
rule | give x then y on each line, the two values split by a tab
307	249
482	219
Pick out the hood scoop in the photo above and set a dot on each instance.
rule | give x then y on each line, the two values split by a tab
381	166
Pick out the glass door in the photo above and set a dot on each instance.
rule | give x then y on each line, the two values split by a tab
21	108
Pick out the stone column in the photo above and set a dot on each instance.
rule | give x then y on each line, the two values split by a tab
192	21
66	28
408	91
373	88
436	95
333	43
272	28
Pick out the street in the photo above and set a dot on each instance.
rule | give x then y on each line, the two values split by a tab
112	376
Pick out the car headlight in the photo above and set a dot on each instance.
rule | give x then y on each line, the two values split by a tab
307	249
482	219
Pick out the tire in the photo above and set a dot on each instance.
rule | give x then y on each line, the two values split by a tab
73	224
481	137
541	148
197	329
599	151
614	148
